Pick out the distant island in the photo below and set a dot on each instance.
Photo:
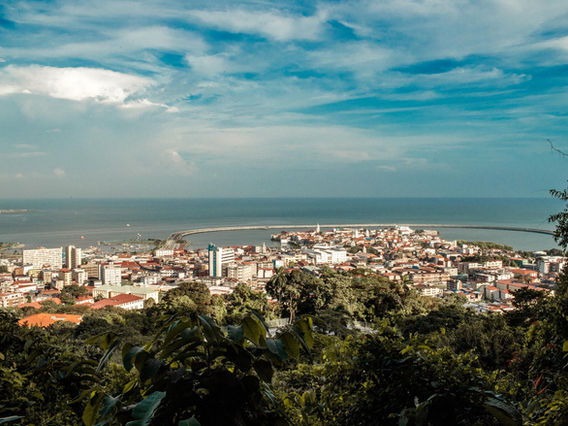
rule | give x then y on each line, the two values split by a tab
13	211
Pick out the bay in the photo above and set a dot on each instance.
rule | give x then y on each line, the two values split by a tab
58	222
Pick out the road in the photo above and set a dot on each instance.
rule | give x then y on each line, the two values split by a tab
177	236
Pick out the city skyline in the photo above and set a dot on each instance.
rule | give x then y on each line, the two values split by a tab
401	98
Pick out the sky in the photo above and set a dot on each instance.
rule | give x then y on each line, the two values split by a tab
403	98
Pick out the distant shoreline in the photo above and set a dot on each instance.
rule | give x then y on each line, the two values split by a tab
14	211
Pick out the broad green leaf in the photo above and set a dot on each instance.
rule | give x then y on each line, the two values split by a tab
291	344
240	357
92	408
277	348
264	369
139	359
211	330
304	329
108	404
300	340
129	386
187	336
10	419
145	409
108	353
505	413
128	354
236	333
260	319
253	330
150	368
176	329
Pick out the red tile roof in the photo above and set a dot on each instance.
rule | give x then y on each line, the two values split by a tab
45	319
118	300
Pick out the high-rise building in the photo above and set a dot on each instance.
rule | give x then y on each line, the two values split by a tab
111	275
72	257
218	257
38	258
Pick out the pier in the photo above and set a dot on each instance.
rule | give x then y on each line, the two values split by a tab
177	236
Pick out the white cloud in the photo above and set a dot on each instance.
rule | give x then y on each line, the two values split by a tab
176	164
145	103
471	75
271	24
309	146
24	146
59	172
207	64
363	58
28	154
76	84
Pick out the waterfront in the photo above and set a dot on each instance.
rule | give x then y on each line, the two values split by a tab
61	222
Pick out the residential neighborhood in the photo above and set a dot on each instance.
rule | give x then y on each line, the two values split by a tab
484	276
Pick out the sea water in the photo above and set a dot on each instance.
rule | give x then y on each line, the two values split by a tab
84	222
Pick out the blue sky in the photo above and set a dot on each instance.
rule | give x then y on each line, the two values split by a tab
213	99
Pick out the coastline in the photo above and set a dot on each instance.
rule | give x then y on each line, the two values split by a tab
52	223
13	211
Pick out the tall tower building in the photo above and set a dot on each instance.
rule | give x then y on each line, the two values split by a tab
218	257
72	257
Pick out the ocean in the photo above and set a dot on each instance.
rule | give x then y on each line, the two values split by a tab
59	222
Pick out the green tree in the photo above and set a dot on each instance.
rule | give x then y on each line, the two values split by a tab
285	287
385	378
244	299
561	219
189	296
70	293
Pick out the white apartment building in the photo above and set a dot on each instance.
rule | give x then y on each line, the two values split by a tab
493	264
8	300
164	252
150	279
111	275
218	257
80	276
51	257
329	255
241	272
66	276
73	257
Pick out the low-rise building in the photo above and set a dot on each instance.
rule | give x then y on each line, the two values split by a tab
123	301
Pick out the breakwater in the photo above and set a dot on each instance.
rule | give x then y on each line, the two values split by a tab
180	235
